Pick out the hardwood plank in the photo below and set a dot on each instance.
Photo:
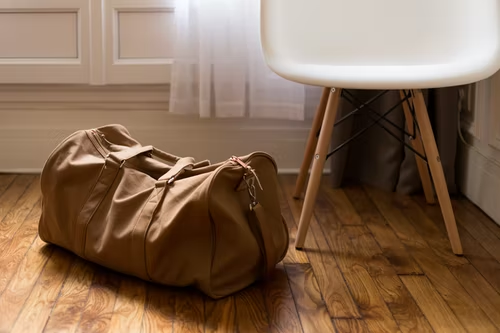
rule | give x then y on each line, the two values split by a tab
480	216
391	246
440	316
5	181
13	193
340	203
476	284
404	309
220	315
479	231
350	325
159	314
38	306
189	312
336	294
12	255
372	307
463	305
437	240
68	309
13	298
482	260
18	213
129	306
481	291
313	314
96	316
251	313
293	255
280	305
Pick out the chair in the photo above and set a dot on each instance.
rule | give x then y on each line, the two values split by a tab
383	45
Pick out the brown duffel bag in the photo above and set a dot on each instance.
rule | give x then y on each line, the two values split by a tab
162	218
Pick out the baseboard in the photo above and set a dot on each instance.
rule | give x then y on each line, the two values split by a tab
479	179
35	118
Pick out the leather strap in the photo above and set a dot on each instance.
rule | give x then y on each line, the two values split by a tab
127	154
258	214
179	167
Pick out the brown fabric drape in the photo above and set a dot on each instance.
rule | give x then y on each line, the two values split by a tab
377	159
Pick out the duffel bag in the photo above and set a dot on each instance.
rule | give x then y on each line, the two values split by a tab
141	211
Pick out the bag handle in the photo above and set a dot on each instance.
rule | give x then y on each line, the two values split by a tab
183	164
124	155
270	256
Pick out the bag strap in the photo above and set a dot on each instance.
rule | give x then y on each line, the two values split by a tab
258	214
123	155
183	164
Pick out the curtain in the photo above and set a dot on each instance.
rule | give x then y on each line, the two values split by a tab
378	159
219	70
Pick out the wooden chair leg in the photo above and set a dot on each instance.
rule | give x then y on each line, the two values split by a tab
416	143
436	168
317	167
312	141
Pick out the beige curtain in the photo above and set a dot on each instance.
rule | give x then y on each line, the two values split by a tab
377	159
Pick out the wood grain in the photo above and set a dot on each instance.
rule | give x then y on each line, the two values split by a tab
481	278
404	309
480	216
313	314
13	193
12	255
159	314
220	315
350	325
68	308
371	305
391	246
189	312
463	305
427	229
5	181
336	294
13	298
251	313
20	210
482	260
346	279
38	306
340	203
479	231
280	305
96	315
440	316
129	306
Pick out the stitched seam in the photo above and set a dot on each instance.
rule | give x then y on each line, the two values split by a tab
147	232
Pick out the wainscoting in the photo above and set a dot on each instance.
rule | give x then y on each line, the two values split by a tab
35	118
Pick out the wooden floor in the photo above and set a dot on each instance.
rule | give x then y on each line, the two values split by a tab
374	262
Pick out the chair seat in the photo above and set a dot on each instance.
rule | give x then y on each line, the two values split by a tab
384	44
387	77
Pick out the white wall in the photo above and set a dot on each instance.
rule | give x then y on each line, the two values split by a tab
72	64
33	119
479	158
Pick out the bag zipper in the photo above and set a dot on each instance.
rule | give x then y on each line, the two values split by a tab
96	140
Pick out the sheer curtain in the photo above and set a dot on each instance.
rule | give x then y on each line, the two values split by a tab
218	69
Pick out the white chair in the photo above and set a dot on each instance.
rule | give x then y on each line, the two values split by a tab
384	44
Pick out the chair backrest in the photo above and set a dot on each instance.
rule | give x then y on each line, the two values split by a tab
387	33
